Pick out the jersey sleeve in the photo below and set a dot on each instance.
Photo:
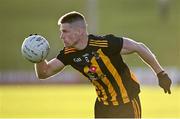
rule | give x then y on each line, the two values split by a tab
62	57
115	44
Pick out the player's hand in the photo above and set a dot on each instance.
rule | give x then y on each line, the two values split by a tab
164	81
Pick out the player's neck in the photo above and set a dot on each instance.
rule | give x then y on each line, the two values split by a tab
82	43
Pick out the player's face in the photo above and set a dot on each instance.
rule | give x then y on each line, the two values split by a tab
69	35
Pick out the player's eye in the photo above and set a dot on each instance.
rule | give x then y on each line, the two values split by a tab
64	31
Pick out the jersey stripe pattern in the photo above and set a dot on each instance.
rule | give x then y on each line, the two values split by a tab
98	43
69	50
103	65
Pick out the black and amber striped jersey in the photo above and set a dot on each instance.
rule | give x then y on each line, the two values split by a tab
102	63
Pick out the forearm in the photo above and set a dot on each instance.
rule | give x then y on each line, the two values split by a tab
149	58
46	69
163	78
131	46
41	69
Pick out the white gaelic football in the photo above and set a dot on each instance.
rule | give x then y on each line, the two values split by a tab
35	48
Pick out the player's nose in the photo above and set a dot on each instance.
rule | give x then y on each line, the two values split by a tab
61	36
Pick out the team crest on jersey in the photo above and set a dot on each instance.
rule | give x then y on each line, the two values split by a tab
92	73
86	57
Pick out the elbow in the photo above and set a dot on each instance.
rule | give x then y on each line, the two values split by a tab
42	77
143	49
139	47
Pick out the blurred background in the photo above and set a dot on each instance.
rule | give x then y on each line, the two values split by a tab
156	23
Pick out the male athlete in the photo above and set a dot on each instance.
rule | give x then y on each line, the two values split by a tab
99	59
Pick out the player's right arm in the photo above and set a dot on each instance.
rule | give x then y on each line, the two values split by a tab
46	69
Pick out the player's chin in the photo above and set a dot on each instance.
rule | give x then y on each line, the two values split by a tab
67	45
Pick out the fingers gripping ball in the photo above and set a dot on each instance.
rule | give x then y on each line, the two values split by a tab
35	48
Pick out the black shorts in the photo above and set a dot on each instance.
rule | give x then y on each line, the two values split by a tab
128	110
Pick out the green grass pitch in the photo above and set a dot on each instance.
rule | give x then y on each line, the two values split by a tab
73	101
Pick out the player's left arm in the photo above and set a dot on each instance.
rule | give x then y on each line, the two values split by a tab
131	46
